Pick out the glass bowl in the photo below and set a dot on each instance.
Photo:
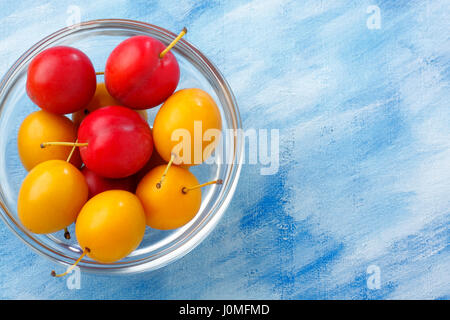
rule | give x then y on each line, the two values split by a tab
97	39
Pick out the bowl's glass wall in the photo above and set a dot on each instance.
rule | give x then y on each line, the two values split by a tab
97	39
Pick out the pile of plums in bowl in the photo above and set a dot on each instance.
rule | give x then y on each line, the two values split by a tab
94	160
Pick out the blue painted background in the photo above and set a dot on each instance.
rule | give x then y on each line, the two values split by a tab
364	173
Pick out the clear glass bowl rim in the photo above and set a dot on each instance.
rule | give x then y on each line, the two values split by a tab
198	232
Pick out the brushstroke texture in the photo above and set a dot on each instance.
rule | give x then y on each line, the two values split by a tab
365	151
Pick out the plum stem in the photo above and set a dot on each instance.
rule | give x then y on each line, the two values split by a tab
159	184
186	189
66	144
72	151
172	44
66	233
69	270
